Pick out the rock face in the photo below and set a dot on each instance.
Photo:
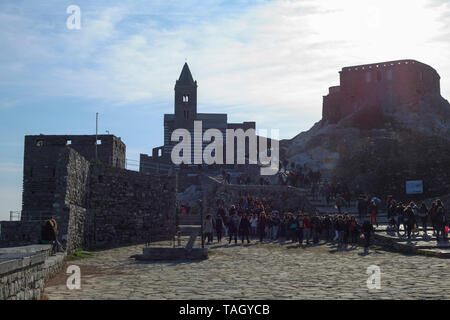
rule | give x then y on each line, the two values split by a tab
392	134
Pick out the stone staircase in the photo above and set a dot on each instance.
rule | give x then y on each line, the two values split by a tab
323	208
189	224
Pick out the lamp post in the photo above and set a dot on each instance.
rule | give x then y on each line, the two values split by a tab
96	136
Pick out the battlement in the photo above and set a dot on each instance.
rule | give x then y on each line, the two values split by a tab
384	65
109	148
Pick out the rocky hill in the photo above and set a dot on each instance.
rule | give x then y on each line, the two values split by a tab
379	147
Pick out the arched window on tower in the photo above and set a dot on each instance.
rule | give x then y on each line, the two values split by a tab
186	98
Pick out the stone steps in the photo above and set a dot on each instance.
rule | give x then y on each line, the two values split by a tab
187	230
184	219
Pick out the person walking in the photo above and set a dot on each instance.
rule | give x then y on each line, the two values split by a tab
410	220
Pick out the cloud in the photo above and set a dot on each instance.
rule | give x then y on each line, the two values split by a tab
271	61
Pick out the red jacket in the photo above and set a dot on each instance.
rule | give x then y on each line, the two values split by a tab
307	223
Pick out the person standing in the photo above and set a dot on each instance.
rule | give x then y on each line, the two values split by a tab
208	228
362	208
254	225
410	220
367	229
219	228
244	228
261	226
299	229
233	228
275	225
58	245
339	203
423	215
48	235
441	221
353	229
373	210
307	229
315	227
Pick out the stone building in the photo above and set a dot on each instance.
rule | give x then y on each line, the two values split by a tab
185	113
384	84
94	199
41	162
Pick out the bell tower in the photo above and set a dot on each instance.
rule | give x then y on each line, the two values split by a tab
185	99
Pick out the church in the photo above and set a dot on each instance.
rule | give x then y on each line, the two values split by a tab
185	113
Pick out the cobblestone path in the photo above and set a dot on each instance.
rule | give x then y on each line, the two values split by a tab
267	271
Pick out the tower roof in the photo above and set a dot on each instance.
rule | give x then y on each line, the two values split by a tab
185	76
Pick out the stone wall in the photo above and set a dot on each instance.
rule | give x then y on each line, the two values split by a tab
25	270
382	166
129	207
283	198
94	205
62	197
19	233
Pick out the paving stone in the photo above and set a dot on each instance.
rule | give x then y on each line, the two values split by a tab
261	272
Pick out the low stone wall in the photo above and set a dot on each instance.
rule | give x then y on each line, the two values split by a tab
25	270
390	244
283	198
19	233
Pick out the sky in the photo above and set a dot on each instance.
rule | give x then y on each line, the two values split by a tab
257	60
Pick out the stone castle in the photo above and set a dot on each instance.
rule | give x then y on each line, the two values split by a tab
386	84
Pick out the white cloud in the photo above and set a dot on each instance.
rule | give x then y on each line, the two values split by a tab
271	62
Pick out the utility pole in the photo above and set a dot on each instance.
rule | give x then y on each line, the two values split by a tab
96	138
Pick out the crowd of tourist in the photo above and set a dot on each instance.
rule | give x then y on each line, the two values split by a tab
412	216
254	218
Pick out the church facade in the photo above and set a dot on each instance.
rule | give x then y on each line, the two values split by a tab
185	113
